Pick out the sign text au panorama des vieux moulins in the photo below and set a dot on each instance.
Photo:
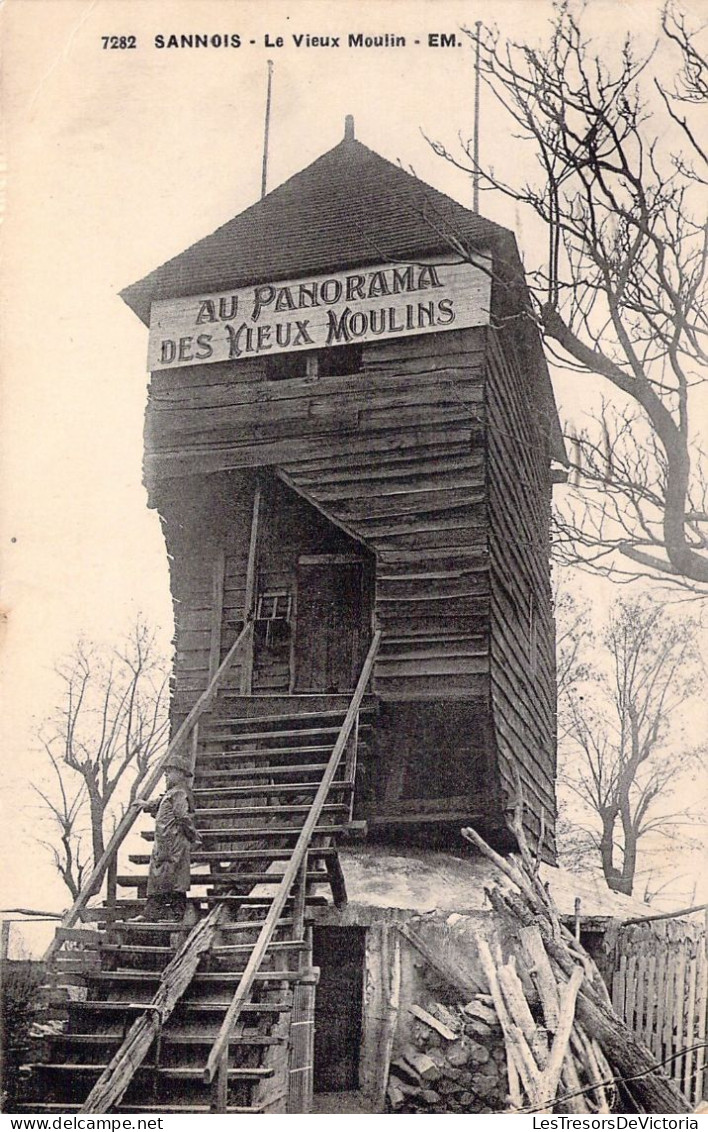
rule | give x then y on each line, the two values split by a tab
420	297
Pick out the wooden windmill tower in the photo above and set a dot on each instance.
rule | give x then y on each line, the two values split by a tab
350	440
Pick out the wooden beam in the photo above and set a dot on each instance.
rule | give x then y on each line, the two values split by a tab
217	611
251	587
337	882
302	1035
382	992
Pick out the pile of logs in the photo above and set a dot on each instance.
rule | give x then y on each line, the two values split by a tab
532	1030
455	1061
566	1050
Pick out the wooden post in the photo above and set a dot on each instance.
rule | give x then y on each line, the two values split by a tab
680	1018
689	1034
250	595
650	1010
112	882
4	948
640	996
630	993
194	747
382	986
668	999
350	762
220	1087
302	1035
217	611
299	896
702	1011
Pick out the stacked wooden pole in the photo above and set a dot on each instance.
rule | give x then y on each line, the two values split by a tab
570	1061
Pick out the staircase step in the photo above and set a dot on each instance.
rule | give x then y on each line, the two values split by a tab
260	772
86	936
261	811
172	1072
178	1038
196	1006
229	880
136	880
123	975
134	907
229	834
284	1004
223	949
260	901
288	717
238	855
125	909
263	753
205	735
121	909
266	788
169	929
247	948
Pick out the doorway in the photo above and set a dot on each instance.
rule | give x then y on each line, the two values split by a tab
339	954
333	623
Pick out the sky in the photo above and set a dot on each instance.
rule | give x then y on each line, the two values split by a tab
118	159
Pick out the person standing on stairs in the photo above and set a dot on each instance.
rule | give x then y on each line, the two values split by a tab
175	833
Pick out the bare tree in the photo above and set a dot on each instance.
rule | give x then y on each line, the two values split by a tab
690	88
100	744
573	634
622	295
623	753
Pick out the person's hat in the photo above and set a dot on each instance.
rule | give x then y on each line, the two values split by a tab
178	764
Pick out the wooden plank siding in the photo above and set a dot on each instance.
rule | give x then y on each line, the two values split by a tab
207	556
429	458
392	455
419	504
522	652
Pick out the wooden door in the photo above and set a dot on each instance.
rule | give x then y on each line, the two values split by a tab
339	954
332	624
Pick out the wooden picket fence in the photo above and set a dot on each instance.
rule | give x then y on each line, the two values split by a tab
660	987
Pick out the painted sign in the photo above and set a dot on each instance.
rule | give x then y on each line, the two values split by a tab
320	311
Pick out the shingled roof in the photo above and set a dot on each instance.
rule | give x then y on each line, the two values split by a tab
348	208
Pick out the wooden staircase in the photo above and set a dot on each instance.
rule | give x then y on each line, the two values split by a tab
272	794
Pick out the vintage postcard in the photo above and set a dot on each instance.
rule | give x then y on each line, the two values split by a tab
353	557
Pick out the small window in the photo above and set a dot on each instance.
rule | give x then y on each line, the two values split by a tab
337	361
272	629
282	367
274	606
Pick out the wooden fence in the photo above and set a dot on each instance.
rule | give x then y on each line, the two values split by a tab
660	987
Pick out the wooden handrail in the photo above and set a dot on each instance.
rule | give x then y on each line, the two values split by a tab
289	876
134	809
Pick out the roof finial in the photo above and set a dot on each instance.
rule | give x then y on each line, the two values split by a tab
349	127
